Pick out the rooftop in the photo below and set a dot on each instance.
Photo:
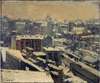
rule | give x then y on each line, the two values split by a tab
20	76
51	49
19	37
18	56
90	59
39	53
89	52
91	36
60	39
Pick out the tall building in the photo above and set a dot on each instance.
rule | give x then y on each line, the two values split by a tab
36	28
53	55
22	41
4	25
20	26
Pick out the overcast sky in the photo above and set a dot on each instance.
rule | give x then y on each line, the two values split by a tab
59	10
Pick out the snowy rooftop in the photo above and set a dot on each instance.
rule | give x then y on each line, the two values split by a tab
18	37
21	76
39	53
51	49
